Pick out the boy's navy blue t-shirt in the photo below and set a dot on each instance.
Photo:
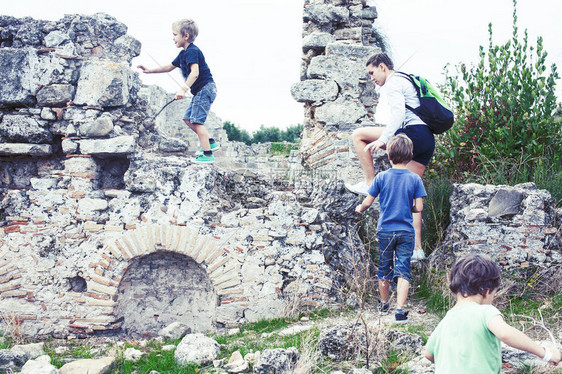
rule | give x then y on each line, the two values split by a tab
193	55
397	188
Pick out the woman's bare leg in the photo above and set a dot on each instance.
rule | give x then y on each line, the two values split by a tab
361	137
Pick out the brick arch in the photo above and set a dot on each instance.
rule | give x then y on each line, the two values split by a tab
221	267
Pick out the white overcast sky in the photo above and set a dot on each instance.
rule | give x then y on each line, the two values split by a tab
253	47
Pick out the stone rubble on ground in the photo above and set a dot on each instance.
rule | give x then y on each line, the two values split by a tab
196	348
91	366
236	363
175	330
278	360
39	365
132	354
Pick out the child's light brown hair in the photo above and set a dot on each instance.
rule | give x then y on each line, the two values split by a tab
400	149
186	26
474	274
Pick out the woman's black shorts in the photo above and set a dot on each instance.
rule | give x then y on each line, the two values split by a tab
423	139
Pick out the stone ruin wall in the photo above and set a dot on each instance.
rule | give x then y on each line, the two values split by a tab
335	88
108	228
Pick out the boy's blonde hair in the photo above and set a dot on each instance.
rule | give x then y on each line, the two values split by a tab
400	149
186	26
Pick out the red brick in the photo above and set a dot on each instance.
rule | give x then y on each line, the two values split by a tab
11	229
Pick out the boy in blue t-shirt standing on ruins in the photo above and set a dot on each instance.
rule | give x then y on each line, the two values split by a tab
199	80
401	194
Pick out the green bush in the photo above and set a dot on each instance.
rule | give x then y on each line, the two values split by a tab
504	113
235	134
283	148
263	135
436	207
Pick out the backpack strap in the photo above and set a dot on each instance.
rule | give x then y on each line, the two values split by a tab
409	77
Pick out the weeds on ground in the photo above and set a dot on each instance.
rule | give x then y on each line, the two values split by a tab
161	361
11	327
4	342
436	207
432	290
391	363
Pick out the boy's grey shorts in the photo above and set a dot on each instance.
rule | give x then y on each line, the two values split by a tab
200	104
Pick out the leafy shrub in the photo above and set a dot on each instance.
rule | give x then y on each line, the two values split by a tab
235	134
436	207
504	112
283	148
263	135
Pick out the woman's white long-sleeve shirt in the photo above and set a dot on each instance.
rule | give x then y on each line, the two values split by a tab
396	92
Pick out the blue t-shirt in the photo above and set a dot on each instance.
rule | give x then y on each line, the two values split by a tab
193	55
397	188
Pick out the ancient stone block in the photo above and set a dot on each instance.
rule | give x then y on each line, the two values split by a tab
14	66
120	145
277	360
325	14
342	70
48	114
55	95
313	90
23	129
56	38
97	128
504	203
196	348
127	47
340	112
103	83
69	146
369	13
317	40
80	165
14	149
43	183
100	365
352	51
353	33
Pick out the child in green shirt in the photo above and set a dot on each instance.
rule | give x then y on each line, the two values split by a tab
468	339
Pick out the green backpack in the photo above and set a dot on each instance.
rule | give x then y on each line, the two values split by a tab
432	110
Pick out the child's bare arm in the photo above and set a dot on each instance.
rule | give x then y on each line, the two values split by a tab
191	78
418	205
428	355
160	69
367	202
517	339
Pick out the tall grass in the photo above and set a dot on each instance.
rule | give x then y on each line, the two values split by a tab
545	172
436	209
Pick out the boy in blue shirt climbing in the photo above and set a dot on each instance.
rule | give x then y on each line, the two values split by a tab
401	194
199	80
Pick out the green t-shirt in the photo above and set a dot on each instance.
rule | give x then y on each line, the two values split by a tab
462	342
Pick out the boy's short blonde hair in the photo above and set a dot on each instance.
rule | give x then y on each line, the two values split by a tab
400	149
186	26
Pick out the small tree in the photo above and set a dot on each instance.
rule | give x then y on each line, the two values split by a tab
236	134
504	111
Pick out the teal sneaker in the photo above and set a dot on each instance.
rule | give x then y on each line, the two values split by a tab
202	159
214	147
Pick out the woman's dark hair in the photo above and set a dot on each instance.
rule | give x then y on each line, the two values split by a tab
379	58
474	274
